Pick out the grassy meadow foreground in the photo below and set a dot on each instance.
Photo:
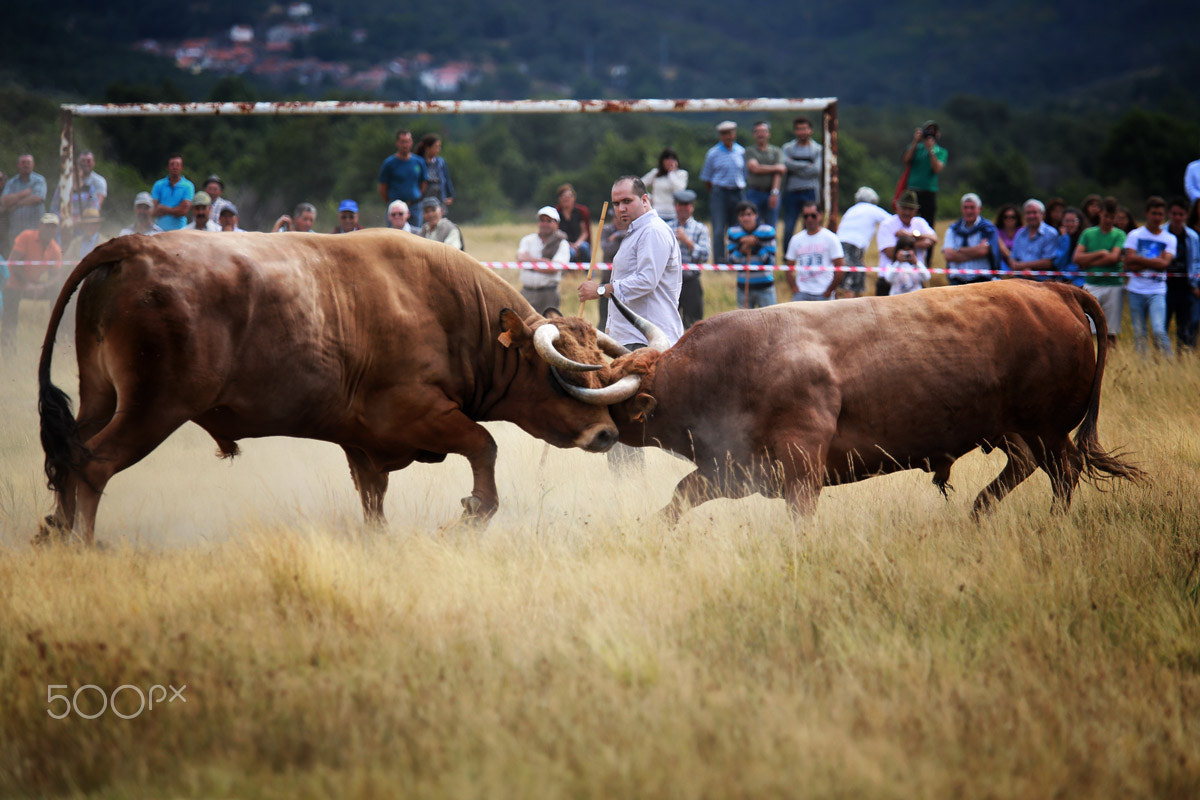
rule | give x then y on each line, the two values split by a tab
576	647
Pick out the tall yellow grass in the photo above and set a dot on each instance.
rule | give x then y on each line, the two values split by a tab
577	647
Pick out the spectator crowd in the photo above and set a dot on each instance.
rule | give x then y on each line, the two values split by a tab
1152	269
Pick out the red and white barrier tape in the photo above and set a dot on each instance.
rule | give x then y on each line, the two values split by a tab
583	267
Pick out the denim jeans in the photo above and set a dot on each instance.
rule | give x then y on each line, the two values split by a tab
723	202
805	296
582	253
760	296
792	203
762	201
1153	306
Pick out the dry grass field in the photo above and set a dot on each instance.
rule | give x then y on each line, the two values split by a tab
576	647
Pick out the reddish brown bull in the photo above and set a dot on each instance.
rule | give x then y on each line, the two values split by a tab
791	398
391	346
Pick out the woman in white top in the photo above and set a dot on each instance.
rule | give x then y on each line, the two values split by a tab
664	181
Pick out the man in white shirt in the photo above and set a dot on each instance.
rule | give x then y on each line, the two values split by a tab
646	273
905	220
817	251
1149	250
857	228
1191	180
539	284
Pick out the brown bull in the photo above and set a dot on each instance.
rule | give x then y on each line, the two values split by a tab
386	344
791	398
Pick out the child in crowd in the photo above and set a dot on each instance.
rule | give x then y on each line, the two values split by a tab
908	273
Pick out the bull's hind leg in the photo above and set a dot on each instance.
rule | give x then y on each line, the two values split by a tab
371	483
1063	462
1021	464
128	437
97	404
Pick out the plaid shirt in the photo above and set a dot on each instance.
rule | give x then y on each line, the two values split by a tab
701	249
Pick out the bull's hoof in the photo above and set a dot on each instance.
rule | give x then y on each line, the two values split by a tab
50	531
476	511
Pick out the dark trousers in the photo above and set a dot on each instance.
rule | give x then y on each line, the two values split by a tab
8	324
691	299
762	201
1182	305
792	202
603	276
723	201
927	209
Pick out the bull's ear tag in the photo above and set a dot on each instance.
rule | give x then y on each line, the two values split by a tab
505	339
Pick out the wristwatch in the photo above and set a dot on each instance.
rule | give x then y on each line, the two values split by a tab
602	290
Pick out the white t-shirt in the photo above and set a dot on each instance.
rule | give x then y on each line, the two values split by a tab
532	246
1150	245
815	252
859	224
891	227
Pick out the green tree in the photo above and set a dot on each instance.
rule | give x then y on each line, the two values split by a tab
1150	150
1002	176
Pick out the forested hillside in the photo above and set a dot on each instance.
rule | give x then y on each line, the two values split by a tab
1033	98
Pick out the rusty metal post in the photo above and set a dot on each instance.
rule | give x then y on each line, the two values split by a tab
829	122
66	175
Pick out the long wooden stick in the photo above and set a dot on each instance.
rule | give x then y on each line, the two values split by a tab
596	241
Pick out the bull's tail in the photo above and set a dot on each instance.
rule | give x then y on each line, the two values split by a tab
65	452
1098	463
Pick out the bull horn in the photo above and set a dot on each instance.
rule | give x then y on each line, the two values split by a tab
610	346
618	392
544	339
655	338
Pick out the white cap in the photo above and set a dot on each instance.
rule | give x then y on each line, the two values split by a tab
549	211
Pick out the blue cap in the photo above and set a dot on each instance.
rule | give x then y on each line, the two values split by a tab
348	205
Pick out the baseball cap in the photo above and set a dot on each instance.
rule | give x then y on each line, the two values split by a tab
549	211
143	199
685	196
49	219
431	202
214	179
90	215
727	125
228	208
348	205
201	199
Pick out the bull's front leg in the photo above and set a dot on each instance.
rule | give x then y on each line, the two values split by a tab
714	479
455	432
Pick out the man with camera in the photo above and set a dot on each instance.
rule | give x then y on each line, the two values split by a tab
925	159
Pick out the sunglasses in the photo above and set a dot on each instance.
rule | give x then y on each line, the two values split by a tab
811	216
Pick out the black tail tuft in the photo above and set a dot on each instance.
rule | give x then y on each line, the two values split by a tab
60	436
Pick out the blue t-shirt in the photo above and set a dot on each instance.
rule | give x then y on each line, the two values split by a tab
403	177
765	254
169	195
